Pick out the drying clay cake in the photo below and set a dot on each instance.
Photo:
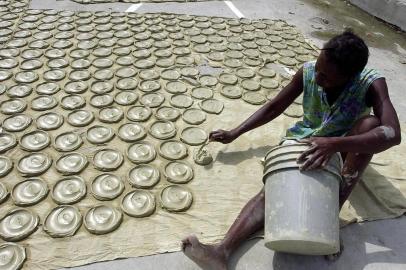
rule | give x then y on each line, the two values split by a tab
29	192
18	224
176	198
102	219
138	203
63	221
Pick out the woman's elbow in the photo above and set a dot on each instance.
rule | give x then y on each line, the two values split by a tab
392	135
398	138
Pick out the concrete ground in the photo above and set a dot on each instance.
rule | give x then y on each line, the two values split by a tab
378	245
390	11
373	245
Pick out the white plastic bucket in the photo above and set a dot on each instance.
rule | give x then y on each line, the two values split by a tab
301	208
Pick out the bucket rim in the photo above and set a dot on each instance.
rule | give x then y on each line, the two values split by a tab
293	167
285	146
289	158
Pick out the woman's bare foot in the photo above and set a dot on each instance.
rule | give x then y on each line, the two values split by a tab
206	256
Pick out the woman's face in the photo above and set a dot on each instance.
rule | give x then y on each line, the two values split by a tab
327	74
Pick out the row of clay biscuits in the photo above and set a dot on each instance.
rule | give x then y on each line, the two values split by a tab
115	114
31	191
43	102
80	118
69	141
232	59
12	255
148	175
112	114
65	220
107	159
195	38
106	186
178	100
245	85
102	99
72	189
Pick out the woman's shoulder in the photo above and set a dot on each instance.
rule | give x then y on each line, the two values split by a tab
309	69
309	65
368	75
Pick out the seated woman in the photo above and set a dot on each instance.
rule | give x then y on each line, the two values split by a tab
338	94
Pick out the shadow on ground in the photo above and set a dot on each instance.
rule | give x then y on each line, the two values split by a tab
366	246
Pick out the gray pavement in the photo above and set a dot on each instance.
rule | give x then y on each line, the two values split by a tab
370	246
390	11
378	245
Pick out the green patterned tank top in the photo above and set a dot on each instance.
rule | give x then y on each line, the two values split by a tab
322	120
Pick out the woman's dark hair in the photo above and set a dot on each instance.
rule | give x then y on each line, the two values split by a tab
348	52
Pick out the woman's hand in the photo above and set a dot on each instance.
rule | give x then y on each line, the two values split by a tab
319	153
223	136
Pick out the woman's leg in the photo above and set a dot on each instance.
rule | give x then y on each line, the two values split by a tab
354	166
215	257
356	163
251	217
